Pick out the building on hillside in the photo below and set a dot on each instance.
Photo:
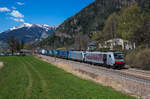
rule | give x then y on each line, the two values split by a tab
112	44
117	43
91	46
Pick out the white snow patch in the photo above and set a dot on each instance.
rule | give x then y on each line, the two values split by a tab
21	26
44	26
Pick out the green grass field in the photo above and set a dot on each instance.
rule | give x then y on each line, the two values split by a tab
30	78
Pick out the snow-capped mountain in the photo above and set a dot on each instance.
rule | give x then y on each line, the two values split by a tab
28	32
21	26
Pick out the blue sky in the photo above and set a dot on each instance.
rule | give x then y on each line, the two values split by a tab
50	12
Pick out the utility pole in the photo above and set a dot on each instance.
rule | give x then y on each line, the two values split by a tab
54	50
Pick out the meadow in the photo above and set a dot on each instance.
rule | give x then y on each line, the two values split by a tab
30	78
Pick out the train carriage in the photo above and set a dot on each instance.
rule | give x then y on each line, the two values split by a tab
76	55
62	53
52	52
43	51
47	52
40	51
57	53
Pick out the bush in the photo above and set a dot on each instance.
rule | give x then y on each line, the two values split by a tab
139	59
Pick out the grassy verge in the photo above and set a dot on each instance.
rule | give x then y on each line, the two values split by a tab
30	78
139	59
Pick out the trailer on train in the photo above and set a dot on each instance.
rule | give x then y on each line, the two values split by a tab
47	52
76	55
43	51
62	53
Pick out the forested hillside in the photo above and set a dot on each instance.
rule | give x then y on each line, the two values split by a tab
88	22
131	23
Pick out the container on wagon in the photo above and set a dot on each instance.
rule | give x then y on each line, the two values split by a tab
76	55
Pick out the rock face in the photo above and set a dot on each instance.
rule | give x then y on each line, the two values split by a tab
28	32
88	21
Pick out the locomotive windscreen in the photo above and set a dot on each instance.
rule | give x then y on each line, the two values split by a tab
118	55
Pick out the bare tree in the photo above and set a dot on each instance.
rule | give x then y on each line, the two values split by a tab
84	42
17	46
77	42
11	42
14	44
81	41
22	44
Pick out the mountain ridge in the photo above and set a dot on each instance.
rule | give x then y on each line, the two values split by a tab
28	32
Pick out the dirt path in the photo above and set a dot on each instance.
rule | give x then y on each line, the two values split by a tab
42	79
1	64
30	78
29	87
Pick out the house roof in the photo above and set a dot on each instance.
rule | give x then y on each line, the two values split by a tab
91	43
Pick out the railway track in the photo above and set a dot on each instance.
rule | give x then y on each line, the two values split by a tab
139	76
142	77
139	72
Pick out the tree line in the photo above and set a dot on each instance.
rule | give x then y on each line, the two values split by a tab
14	44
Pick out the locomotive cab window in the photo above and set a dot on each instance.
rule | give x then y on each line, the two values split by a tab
118	55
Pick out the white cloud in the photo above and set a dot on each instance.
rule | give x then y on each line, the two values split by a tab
13	7
17	20
20	3
16	13
4	9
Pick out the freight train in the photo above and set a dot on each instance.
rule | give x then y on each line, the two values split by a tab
108	59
